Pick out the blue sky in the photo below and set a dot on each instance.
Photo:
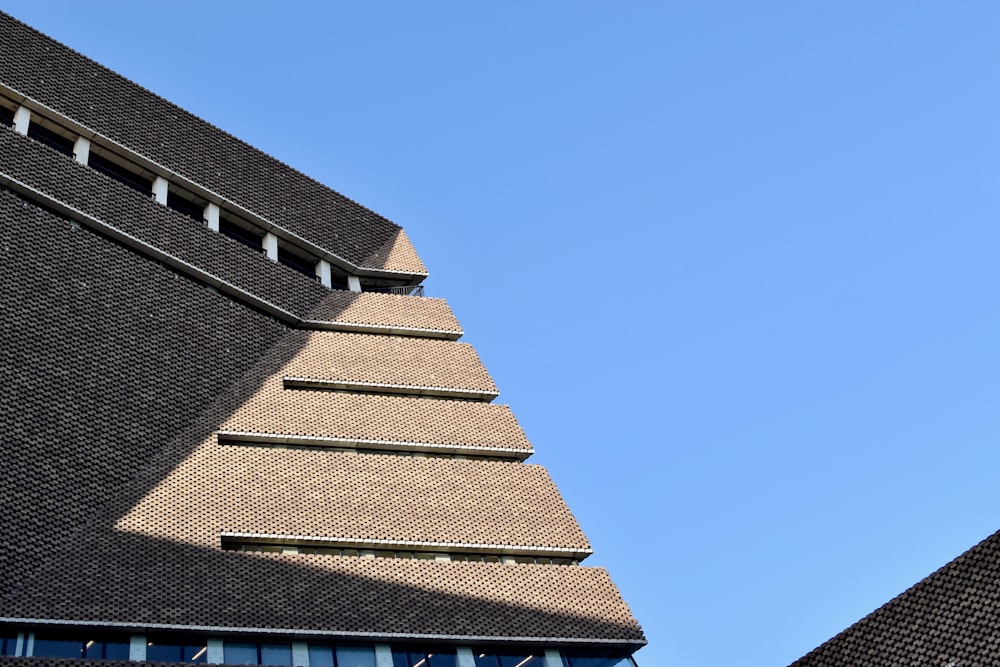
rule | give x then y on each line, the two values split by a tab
734	265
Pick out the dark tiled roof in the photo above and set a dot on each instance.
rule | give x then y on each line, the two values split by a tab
105	355
107	103
949	618
61	178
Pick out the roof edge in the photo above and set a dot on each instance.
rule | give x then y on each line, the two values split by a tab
212	196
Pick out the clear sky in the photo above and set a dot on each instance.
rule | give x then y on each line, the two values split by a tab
733	264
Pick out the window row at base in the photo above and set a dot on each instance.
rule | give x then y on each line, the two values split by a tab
202	650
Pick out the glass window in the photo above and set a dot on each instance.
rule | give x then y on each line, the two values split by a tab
121	173
321	656
442	659
8	645
355	656
246	234
58	648
50	138
193	651
245	653
110	650
490	658
192	209
107	648
239	653
296	260
276	654
597	659
439	658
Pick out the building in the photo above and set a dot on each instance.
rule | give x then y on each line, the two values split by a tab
234	429
949	619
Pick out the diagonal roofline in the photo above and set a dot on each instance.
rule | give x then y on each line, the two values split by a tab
209	194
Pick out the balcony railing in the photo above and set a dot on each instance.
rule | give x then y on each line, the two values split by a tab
406	290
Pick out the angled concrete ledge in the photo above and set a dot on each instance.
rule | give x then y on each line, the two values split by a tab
183	267
354	327
411	545
142	247
241	437
385	388
27	104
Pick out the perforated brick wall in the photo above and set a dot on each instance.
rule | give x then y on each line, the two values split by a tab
95	194
113	106
278	411
398	360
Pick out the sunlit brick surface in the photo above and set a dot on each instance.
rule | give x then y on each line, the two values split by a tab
120	372
396	360
386	310
355	496
277	411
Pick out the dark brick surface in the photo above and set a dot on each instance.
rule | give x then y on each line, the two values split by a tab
949	618
58	176
116	372
95	194
113	106
103	355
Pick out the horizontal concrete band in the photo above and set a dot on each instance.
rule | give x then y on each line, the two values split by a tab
382	387
193	272
333	634
354	327
209	195
410	545
236	437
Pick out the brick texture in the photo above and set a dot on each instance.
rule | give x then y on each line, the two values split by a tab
60	177
121	372
363	497
385	310
104	355
130	115
949	618
275	411
348	357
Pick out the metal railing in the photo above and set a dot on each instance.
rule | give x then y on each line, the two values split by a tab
406	290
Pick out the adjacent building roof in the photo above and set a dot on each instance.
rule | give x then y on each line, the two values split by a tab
949	618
